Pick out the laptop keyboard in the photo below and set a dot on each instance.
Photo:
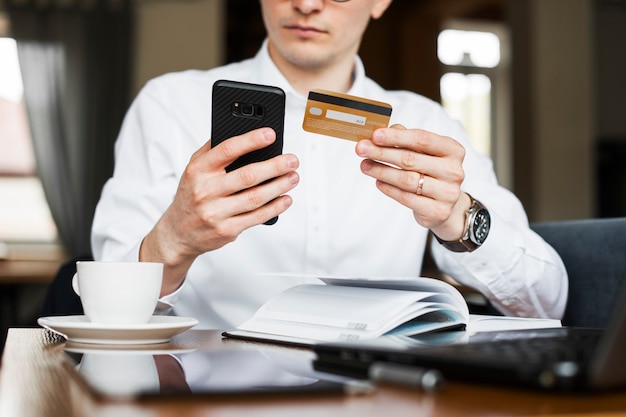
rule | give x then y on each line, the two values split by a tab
573	347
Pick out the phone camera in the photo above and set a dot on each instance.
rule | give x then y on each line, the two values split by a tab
247	109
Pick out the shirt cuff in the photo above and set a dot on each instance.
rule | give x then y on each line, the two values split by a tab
485	268
166	303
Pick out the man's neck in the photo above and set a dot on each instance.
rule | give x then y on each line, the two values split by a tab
339	77
305	81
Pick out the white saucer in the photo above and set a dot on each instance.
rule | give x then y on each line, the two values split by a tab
160	329
126	350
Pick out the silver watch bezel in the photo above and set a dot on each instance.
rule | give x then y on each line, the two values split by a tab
473	228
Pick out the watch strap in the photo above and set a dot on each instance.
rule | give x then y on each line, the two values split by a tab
461	245
464	244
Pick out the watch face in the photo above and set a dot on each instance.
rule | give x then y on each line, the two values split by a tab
480	226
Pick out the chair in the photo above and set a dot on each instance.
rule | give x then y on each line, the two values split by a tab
594	254
61	300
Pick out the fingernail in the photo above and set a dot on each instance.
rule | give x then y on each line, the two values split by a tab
292	161
294	178
378	136
267	135
362	148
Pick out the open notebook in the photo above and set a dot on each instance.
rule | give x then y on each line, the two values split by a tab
348	308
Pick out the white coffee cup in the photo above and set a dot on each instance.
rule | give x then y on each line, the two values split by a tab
118	292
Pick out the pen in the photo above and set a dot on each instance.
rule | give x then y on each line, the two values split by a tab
407	375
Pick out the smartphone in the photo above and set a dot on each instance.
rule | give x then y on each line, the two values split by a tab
240	107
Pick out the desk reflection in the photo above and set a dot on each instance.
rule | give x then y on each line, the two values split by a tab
136	373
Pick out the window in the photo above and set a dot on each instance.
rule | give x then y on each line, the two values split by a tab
24	212
467	97
475	88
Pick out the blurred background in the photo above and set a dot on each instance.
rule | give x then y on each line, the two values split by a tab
538	84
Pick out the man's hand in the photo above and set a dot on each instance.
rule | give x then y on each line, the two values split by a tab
422	171
212	207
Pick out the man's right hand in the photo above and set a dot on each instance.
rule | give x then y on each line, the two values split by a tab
212	207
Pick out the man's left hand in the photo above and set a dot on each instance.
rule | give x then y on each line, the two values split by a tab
422	171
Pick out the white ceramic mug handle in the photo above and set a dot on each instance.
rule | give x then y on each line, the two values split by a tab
75	284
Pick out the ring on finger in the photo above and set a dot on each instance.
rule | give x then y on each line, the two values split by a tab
420	184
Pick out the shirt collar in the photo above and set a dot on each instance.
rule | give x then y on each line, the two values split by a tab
268	73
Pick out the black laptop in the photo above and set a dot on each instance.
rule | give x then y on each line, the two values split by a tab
561	359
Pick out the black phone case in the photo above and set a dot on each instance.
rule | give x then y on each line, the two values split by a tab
226	122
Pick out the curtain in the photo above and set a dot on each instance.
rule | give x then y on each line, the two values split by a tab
75	57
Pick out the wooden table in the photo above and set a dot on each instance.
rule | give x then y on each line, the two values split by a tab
38	379
28	272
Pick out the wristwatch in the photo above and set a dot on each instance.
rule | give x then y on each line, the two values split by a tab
477	226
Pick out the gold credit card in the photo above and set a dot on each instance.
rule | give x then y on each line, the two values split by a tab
344	116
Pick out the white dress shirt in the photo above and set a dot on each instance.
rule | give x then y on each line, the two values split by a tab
339	222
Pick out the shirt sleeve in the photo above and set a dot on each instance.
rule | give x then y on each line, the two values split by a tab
519	272
143	183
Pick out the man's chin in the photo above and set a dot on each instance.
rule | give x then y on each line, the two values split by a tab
309	57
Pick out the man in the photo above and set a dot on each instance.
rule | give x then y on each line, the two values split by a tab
344	210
